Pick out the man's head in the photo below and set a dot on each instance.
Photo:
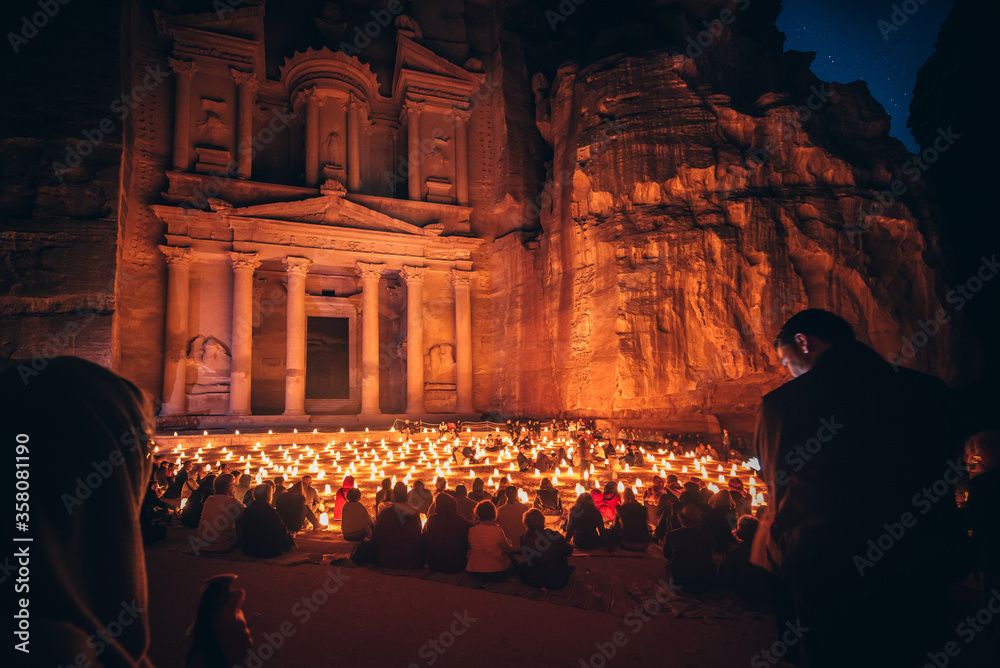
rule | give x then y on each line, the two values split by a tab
225	484
307	481
807	334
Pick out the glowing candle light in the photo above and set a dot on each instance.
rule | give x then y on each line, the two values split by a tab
621	486
324	519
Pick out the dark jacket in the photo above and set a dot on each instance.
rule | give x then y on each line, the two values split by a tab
264	534
545	555
844	448
447	536
397	535
291	507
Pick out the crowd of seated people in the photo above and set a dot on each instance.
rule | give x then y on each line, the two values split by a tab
705	536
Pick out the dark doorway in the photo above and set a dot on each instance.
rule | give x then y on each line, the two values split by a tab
328	359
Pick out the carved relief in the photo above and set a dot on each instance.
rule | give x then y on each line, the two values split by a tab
334	150
209	363
211	129
442	364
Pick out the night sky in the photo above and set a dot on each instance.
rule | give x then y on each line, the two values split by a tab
850	44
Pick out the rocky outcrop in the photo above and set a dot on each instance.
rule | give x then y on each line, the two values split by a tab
681	225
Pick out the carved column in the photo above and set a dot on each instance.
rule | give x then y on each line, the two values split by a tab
414	277
353	144
413	149
295	336
462	156
175	341
244	265
184	69
463	339
247	90
312	101
370	275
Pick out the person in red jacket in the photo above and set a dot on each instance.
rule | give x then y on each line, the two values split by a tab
341	498
607	502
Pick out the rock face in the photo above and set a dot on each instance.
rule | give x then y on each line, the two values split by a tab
682	226
659	186
58	227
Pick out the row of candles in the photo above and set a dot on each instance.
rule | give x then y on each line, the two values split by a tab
370	462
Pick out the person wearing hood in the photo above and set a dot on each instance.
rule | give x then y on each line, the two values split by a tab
341	499
87	433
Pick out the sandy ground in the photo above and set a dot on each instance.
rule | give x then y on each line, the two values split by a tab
382	620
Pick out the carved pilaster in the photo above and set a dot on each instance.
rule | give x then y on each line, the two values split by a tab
414	277
295	335
370	276
462	280
176	326
184	71
247	85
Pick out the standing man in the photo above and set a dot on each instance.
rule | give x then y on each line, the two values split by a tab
848	448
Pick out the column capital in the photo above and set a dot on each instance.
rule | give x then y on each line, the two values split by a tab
413	107
182	66
354	102
461	278
245	78
461	114
370	271
307	95
244	261
413	274
296	265
176	254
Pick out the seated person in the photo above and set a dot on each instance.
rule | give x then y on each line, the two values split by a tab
291	507
544	463
585	527
383	497
465	506
500	497
191	515
509	514
741	497
688	551
631	530
154	515
721	520
524	462
548	502
341	498
489	548
608	501
447	537
420	497
218	529
545	554
355	523
243	487
479	492
747	581
398	533
264	534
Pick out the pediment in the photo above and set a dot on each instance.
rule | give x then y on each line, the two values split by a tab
416	58
331	210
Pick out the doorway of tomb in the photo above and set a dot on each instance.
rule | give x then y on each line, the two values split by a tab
328	364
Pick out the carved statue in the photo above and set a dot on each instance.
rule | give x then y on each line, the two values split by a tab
211	360
212	130
442	360
333	149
